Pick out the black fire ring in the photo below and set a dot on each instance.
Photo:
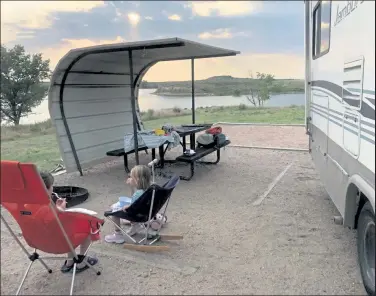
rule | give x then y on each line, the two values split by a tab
73	195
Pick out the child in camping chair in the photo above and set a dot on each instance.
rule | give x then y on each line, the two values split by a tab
61	203
140	180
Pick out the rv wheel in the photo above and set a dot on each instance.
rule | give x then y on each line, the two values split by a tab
366	247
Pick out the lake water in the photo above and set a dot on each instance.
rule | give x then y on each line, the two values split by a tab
149	101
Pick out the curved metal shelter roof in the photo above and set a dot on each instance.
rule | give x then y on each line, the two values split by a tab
93	93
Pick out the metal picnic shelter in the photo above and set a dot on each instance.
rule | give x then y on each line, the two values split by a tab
94	90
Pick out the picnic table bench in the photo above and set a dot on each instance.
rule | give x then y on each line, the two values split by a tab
200	153
121	152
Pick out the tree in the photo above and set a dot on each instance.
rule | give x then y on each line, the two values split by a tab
21	82
261	88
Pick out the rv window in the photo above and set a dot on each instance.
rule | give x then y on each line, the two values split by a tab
325	26
316	31
321	29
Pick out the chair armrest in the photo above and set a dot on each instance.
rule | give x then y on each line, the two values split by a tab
83	211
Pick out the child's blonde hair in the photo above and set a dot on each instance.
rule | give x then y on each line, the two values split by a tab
141	176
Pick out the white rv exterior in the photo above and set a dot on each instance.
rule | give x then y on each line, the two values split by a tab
340	113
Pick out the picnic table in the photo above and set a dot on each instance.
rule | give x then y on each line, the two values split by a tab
191	130
184	131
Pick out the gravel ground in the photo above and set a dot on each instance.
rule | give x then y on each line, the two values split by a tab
286	245
269	136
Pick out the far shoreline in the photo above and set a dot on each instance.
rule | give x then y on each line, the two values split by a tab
188	95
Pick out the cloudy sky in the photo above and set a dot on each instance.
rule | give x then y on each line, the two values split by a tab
269	34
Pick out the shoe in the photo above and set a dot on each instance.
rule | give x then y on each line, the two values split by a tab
125	222
135	228
91	260
116	238
66	267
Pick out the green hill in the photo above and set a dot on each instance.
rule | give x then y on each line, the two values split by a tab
219	86
222	86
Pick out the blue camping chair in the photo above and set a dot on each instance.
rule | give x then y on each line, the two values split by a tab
143	210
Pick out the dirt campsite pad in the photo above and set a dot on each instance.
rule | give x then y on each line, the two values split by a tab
259	223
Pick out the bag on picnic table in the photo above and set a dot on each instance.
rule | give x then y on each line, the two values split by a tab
220	139
208	140
214	130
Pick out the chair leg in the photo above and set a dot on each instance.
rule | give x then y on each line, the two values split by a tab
24	277
87	263
91	267
14	236
122	230
73	277
45	265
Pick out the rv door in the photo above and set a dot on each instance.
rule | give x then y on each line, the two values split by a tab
319	103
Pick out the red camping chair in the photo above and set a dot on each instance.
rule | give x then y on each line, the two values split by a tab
43	227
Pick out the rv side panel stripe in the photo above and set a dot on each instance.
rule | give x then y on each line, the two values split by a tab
366	110
314	110
365	91
372	125
322	109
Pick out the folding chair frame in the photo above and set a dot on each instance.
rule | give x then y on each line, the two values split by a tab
144	244
77	259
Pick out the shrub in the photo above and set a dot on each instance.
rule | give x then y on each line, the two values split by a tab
150	112
236	93
148	115
242	106
176	110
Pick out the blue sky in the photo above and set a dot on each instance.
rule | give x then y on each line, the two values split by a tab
269	34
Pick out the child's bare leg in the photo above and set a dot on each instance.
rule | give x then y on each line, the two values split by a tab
83	249
70	259
85	245
116	220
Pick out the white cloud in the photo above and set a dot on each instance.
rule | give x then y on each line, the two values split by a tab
133	18
36	14
221	34
149	18
118	12
135	3
174	17
224	8
216	34
56	52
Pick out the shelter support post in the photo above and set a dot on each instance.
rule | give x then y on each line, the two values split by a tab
193	91
133	101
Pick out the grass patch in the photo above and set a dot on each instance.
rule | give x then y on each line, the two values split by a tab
37	143
10	133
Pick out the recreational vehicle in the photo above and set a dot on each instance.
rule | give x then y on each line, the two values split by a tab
340	114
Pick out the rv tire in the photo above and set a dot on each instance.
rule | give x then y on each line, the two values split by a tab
366	247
